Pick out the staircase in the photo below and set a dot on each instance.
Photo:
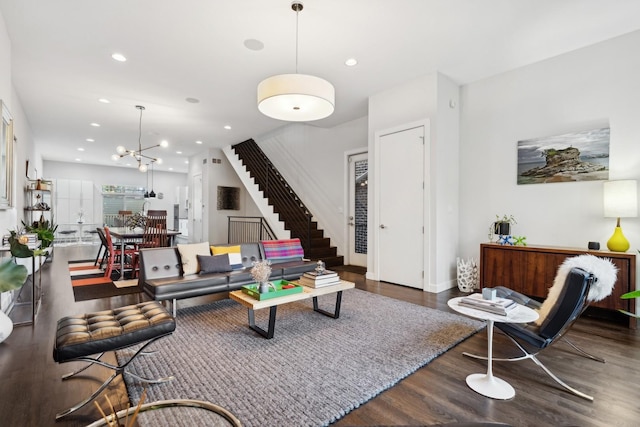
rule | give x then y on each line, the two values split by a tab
290	209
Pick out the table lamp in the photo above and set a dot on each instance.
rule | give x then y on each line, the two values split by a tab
620	200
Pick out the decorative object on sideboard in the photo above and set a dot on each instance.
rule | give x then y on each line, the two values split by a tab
501	226
296	97
620	201
467	274
594	246
520	240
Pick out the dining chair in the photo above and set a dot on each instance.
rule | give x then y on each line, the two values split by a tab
102	249
122	216
155	230
115	256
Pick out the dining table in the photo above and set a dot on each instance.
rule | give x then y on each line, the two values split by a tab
127	235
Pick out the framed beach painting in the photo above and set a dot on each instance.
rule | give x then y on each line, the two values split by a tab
576	156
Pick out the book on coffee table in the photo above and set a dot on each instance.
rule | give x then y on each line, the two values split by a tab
501	306
320	281
317	275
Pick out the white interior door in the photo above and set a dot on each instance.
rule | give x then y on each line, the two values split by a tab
401	201
357	215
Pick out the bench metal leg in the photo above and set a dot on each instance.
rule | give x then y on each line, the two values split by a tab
268	334
118	370
336	312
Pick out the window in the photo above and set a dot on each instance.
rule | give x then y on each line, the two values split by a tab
116	198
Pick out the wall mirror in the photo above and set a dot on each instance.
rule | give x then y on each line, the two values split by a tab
6	158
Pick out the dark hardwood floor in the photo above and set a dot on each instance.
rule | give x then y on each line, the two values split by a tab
31	391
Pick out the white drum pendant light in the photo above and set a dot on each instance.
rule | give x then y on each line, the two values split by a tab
296	97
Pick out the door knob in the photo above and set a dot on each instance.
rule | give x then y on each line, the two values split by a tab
382	226
351	223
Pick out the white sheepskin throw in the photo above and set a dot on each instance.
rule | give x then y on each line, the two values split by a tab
603	270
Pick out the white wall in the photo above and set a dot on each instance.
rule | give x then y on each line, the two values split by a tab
215	222
23	148
584	89
166	183
426	98
311	159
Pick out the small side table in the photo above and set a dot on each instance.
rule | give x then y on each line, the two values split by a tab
487	384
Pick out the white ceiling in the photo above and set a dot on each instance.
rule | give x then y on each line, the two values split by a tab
61	60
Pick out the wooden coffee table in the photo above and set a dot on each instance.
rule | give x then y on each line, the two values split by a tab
272	304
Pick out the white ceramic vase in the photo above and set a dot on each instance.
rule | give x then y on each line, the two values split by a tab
6	326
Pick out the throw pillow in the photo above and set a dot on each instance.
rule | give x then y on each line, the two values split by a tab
282	250
189	255
234	254
214	264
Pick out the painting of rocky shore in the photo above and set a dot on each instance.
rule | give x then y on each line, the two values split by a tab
577	156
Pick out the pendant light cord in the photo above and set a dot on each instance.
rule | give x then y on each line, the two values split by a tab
297	7
297	12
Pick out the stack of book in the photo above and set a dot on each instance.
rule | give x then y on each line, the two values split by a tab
500	306
314	279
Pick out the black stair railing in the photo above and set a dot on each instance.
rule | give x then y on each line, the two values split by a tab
298	219
244	229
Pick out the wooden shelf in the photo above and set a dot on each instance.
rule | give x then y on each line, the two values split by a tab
530	270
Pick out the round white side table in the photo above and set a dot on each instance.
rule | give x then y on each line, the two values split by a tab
487	384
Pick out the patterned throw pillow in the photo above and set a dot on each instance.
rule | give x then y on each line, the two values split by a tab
281	250
234	253
189	253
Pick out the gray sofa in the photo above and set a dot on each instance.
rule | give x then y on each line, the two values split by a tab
161	275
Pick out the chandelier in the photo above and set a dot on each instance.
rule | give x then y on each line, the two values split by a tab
137	154
296	97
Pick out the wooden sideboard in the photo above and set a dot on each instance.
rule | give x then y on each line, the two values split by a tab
530	270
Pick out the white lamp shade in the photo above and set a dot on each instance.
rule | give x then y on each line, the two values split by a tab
620	199
120	149
296	97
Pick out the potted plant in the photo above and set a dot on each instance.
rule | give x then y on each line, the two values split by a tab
12	276
45	230
630	295
502	225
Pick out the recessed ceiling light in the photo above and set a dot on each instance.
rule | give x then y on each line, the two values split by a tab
78	160
227	127
170	169
198	142
178	152
186	162
95	125
192	100
80	149
351	62
119	57
104	101
90	140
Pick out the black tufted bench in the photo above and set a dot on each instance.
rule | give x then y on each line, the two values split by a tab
79	337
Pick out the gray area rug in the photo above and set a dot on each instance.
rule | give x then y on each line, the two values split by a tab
314	370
